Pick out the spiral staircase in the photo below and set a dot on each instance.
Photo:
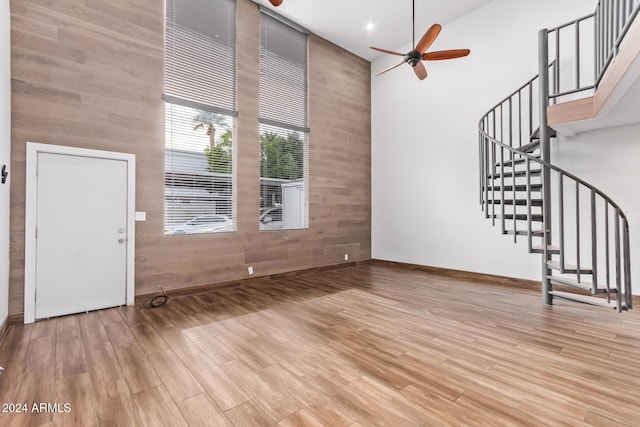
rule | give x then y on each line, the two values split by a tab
581	233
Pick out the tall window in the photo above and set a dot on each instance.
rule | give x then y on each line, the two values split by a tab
283	124
200	111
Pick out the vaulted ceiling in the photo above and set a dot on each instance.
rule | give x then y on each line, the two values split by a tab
345	22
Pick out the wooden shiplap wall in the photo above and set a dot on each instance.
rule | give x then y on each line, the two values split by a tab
90	74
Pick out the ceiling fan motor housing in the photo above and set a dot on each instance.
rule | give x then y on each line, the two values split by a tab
412	58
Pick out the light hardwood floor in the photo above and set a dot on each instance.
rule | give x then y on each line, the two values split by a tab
364	345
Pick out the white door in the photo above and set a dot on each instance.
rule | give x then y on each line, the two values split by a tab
81	231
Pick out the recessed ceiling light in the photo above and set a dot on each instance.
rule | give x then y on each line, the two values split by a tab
370	26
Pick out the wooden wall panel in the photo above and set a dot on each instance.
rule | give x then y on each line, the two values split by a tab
90	74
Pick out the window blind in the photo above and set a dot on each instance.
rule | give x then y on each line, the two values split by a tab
200	103
200	54
283	123
283	74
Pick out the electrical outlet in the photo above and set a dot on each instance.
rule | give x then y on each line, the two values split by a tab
346	257
250	270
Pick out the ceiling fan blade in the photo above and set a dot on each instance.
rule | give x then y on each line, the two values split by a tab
276	3
390	52
445	54
389	69
420	71
428	38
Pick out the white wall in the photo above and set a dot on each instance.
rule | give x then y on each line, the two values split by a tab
424	140
5	153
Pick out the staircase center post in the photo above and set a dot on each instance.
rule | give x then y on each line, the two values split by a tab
545	150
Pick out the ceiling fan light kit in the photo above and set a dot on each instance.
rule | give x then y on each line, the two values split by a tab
419	53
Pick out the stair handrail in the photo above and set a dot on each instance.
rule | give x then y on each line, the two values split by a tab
621	258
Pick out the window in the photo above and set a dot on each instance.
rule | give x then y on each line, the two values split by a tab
283	123
200	112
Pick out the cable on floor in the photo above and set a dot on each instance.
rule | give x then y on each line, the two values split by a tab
158	300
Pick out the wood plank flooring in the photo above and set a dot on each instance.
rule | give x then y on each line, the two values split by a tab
358	346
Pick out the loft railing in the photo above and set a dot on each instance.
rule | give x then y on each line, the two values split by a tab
612	19
584	48
567	43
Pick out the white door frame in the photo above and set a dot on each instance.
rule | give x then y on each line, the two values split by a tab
33	149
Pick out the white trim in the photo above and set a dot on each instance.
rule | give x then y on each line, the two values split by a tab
33	149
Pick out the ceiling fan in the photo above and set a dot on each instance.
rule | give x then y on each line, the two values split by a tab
419	52
276	3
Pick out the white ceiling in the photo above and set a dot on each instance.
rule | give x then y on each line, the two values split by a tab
344	22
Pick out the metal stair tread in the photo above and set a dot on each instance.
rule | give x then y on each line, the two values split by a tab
519	187
535	136
520	217
509	163
586	286
550	248
519	202
535	233
568	268
528	148
518	174
586	299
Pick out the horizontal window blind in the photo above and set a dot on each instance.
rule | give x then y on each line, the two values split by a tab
283	75
199	179
283	124
200	52
200	88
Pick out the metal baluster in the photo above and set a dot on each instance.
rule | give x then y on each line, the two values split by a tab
556	68
596	43
513	170
501	124
513	197
617	28
487	181
530	109
598	37
605	32
577	55
529	221
561	219
520	118
607	240
594	242
480	168
511	124
502	200
578	229
627	266
493	184
610	26
618	272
